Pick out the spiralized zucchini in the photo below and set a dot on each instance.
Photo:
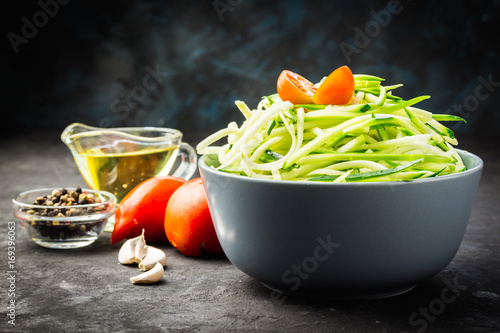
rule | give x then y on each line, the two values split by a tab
376	137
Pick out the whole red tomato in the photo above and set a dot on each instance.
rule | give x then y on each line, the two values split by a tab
188	222
144	208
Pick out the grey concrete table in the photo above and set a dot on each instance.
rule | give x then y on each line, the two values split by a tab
86	290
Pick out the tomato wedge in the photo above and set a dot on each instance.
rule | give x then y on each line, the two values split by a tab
337	89
294	88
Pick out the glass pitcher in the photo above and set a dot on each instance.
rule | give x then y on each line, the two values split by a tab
118	159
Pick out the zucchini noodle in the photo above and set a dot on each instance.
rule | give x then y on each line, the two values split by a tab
377	136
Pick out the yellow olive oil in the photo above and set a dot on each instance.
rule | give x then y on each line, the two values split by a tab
119	173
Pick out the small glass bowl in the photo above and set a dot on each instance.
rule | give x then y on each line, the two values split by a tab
80	229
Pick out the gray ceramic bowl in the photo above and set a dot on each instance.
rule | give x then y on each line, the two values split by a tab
350	240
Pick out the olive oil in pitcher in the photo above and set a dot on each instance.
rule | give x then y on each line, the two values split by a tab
118	173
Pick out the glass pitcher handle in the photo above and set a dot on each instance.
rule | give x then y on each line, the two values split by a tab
188	162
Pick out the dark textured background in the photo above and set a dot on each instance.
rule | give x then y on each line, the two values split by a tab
86	60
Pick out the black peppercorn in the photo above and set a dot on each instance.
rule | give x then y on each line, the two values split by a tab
62	201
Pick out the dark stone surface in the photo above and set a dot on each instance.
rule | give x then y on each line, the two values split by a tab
90	62
87	290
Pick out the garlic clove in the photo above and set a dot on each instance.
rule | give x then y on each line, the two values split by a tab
153	255
127	253
153	275
140	248
133	250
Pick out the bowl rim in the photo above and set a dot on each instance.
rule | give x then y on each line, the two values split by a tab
478	167
167	134
109	203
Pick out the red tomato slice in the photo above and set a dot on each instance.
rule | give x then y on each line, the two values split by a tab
294	88
337	89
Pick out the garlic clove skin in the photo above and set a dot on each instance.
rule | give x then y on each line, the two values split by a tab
153	275
127	253
133	250
153	256
140	249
